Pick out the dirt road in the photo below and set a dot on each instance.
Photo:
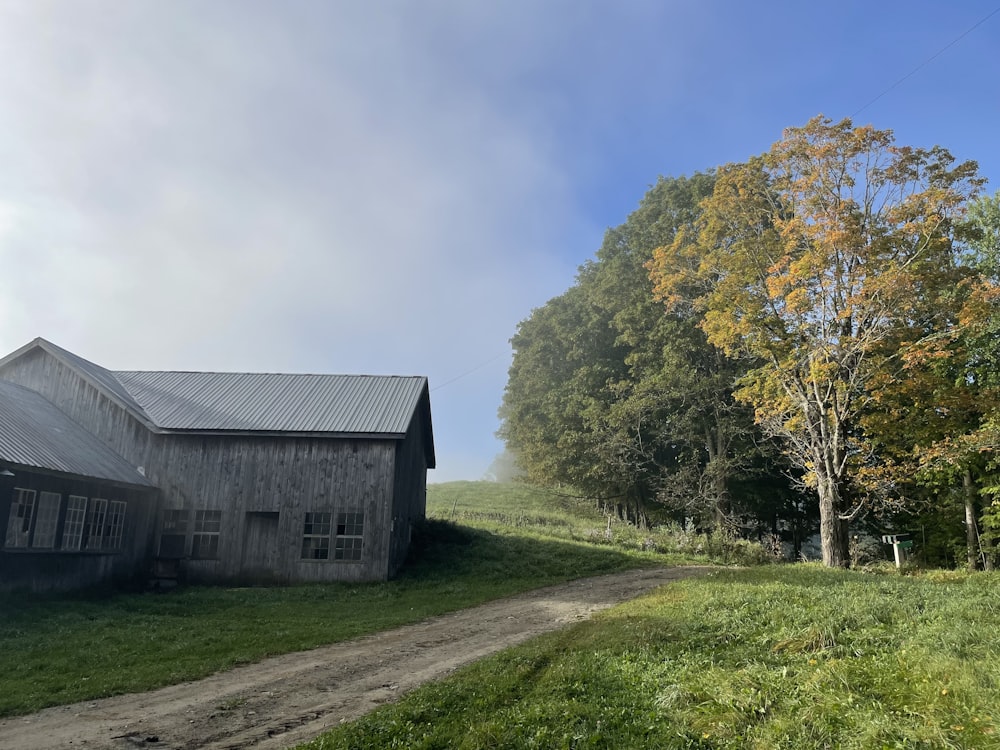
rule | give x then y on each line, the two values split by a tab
289	699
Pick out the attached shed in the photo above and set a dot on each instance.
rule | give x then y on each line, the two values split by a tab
263	478
74	513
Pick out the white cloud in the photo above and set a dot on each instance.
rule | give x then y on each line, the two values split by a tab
302	187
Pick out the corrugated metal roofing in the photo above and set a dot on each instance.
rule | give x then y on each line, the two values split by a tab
375	405
268	402
33	432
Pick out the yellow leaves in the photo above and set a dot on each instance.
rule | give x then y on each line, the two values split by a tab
829	258
982	302
797	301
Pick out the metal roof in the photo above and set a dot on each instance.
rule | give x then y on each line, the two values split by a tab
35	433
331	405
269	402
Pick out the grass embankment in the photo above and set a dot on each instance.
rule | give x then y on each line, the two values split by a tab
773	657
531	512
66	648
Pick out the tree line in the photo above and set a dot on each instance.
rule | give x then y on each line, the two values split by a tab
805	340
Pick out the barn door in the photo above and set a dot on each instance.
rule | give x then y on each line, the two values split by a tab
261	561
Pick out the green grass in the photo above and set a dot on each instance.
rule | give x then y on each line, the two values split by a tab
533	512
773	657
513	506
67	648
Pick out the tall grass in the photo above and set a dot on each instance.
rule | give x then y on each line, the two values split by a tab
776	657
525	510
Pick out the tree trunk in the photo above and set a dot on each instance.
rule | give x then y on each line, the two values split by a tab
971	531
974	543
715	447
832	528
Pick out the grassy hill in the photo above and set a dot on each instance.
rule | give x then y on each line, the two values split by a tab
533	512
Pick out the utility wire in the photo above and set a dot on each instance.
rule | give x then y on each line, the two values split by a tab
480	366
930	59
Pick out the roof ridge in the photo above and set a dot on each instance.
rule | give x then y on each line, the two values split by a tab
277	402
259	372
100	377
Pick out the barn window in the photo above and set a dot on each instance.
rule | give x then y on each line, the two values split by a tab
22	511
205	544
46	519
116	525
76	513
350	532
173	532
316	536
96	515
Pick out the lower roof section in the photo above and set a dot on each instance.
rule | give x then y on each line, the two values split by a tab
35	433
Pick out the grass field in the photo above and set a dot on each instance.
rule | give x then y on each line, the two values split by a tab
525	511
772	657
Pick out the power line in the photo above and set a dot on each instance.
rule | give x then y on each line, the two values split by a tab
930	59
480	366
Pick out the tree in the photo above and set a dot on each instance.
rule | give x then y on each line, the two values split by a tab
671	424
826	260
609	395
564	356
972	383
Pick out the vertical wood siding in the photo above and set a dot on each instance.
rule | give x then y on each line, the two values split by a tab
409	501
113	425
263	486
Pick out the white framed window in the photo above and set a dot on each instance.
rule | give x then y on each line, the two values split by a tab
22	511
76	515
96	515
205	542
350	536
115	529
46	520
316	536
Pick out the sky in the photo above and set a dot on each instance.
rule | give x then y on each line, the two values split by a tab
390	187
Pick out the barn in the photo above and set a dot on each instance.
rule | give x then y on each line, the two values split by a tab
252	478
74	513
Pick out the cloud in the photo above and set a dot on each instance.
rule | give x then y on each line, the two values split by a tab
327	188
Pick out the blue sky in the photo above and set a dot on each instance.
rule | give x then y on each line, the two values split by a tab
389	187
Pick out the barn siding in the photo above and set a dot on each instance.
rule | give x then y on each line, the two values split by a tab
63	570
409	501
83	403
264	487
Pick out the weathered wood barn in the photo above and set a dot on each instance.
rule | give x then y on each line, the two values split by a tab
73	512
223	477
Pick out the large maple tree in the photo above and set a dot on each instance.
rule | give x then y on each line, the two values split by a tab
827	261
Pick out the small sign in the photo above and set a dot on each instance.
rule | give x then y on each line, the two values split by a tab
898	539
